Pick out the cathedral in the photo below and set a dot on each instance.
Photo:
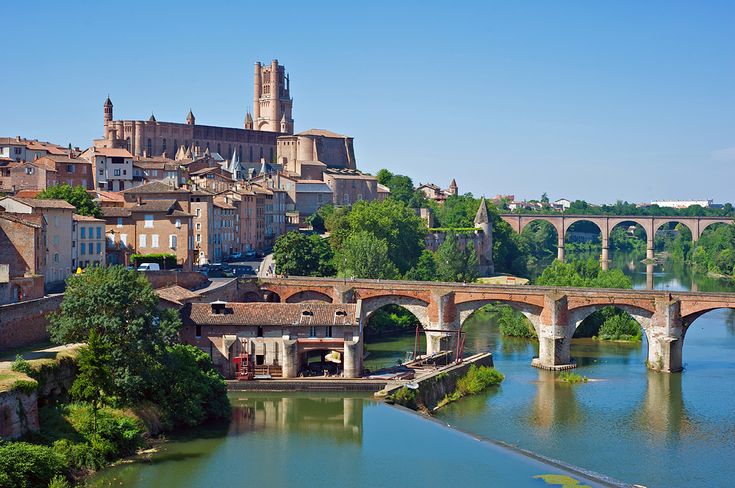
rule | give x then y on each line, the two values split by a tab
256	141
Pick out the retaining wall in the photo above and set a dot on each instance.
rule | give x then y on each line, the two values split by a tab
25	322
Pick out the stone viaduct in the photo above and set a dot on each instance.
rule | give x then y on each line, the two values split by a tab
606	223
555	313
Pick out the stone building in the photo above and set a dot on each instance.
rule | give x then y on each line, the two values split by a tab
282	339
89	241
480	239
112	167
257	140
22	149
434	192
22	256
58	216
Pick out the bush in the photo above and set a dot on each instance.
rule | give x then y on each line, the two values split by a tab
165	260
118	433
477	379
512	323
620	327
405	397
571	378
25	465
59	481
190	390
20	365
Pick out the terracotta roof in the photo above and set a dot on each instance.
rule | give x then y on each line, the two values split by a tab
86	218
112	196
30	220
27	193
112	152
306	314
321	132
171	207
154	187
222	205
44	203
175	294
115	211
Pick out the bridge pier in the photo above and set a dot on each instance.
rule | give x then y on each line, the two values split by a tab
666	337
555	335
560	249
604	259
440	341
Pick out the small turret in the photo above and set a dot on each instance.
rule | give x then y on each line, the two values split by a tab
284	124
152	118
485	250
108	109
482	217
190	118
453	189
248	121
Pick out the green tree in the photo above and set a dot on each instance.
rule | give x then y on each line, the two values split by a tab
94	376
364	255
76	196
401	188
425	268
454	263
299	254
394	222
121	307
582	273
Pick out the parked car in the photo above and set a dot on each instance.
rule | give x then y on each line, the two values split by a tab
234	256
149	267
250	253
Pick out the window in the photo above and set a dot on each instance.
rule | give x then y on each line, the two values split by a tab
119	221
312	331
82	249
199	226
116	172
198	333
328	331
69	168
141	240
198	213
102	172
99	232
163	145
99	248
148	221
154	240
150	147
260	331
124	239
172	241
199	238
346	199
83	232
56	258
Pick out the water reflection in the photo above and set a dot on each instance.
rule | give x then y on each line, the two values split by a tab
662	411
338	419
555	403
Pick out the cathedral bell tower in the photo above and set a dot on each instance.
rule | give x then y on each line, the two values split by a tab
272	102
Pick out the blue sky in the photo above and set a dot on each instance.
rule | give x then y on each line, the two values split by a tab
598	100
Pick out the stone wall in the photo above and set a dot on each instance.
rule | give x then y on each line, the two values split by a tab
25	322
18	413
186	279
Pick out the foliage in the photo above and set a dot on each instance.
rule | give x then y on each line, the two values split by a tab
25	465
94	376
363	255
405	397
582	273
165	260
715	251
610	324
424	269
299	254
453	263
20	365
401	188
477	379
510	322
391	317
77	196
25	386
121	307
394	222
189	389
318	219
59	481
571	378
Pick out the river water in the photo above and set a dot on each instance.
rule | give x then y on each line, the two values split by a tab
655	429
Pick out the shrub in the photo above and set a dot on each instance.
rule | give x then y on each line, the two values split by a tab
405	397
25	465
25	386
59	481
165	260
620	327
571	378
118	433
477	379
20	365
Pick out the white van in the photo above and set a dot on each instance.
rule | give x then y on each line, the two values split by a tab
149	267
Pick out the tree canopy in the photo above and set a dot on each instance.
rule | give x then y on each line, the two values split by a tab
298	254
77	196
363	255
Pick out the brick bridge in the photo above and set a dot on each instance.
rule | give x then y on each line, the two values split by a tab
606	223
555	313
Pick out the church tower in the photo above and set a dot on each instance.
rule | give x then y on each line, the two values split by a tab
107	125
272	100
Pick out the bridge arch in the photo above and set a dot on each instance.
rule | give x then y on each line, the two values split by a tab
532	312
308	296
640	314
697	311
419	308
658	223
706	224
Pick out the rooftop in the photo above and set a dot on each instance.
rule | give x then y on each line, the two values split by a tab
43	203
277	314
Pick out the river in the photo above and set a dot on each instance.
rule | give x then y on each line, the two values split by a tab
656	429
